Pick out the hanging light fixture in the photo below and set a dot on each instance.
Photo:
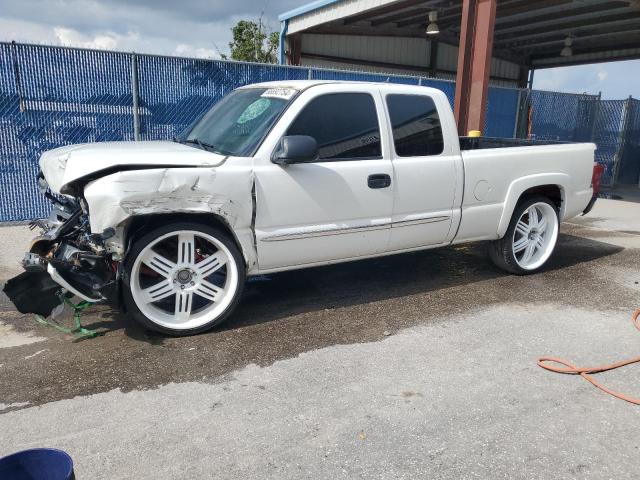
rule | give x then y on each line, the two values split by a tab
567	51
432	28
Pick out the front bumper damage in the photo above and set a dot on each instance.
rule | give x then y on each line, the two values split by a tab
64	260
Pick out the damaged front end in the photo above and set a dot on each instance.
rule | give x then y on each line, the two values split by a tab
64	260
104	195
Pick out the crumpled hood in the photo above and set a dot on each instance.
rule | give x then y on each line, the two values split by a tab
64	165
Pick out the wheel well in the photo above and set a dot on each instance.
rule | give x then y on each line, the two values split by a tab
552	192
137	225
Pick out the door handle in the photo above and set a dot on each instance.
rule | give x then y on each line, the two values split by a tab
379	180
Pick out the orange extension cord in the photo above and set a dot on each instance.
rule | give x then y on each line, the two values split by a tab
586	372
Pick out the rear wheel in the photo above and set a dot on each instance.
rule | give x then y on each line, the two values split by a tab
530	239
183	278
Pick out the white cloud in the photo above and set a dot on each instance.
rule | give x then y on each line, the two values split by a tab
202	42
106	40
184	50
552	79
603	75
198	28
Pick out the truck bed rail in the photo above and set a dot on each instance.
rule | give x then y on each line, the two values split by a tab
480	143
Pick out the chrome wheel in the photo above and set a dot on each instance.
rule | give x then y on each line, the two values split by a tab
535	235
184	279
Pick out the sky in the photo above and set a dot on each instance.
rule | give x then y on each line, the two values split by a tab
202	28
616	80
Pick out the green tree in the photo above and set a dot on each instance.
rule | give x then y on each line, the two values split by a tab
253	43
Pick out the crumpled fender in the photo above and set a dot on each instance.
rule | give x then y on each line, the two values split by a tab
225	192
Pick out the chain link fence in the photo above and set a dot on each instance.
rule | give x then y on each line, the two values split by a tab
55	96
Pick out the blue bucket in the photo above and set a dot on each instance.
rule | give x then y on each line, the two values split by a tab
37	464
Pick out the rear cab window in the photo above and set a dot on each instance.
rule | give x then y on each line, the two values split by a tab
345	125
415	122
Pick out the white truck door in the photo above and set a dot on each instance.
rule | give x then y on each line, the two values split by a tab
338	207
426	166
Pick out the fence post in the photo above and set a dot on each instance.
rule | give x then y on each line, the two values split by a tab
622	137
420	81
596	111
134	95
16	74
310	75
517	119
521	128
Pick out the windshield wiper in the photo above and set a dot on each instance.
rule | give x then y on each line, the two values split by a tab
195	141
203	146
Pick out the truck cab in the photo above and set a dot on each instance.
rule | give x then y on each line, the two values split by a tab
387	176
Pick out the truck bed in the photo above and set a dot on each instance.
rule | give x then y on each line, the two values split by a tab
497	171
481	143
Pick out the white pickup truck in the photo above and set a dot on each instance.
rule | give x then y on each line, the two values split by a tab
287	175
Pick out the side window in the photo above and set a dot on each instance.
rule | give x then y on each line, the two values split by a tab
345	125
416	125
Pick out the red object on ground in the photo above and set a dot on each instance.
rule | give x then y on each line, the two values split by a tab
587	372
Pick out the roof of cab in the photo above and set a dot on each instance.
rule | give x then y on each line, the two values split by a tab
304	84
296	84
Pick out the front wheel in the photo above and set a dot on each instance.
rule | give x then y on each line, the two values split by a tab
183	278
530	238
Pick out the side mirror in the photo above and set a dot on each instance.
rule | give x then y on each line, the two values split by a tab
296	149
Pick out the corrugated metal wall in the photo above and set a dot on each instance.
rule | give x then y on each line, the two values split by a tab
412	52
405	51
320	63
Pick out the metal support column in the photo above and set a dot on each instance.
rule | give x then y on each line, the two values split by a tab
433	58
474	63
295	45
523	76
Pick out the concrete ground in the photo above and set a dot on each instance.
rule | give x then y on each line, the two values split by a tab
415	366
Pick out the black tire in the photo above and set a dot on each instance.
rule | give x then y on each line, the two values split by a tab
142	241
501	251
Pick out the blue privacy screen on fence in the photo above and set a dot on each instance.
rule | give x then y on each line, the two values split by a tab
52	97
501	112
55	96
173	92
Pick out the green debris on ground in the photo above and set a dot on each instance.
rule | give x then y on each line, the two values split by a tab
77	330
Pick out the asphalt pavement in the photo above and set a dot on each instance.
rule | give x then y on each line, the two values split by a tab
413	366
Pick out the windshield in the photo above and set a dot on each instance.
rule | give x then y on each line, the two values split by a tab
237	123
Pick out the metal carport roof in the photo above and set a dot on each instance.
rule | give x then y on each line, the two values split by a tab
527	32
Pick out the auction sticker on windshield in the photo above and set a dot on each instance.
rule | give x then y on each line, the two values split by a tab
279	92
